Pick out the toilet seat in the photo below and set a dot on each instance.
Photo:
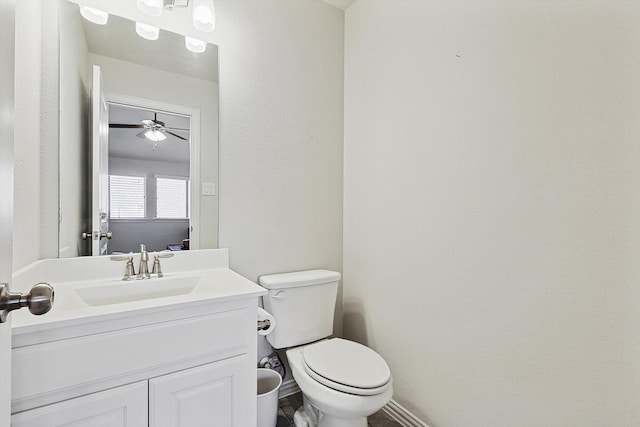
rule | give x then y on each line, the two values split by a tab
346	366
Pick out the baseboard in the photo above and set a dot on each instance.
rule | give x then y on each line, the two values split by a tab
393	409
401	415
288	388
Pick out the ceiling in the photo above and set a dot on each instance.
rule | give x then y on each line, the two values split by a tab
341	4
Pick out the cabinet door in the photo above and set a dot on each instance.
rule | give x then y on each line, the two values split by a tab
118	407
213	395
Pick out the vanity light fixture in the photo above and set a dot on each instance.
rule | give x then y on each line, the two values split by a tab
94	15
203	14
147	31
155	135
195	45
151	7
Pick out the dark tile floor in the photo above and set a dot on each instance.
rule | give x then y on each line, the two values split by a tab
288	406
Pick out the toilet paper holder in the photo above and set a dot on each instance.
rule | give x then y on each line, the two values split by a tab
264	324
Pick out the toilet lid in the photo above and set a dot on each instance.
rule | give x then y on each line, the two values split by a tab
347	366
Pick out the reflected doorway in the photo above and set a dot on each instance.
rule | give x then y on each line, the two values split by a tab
149	182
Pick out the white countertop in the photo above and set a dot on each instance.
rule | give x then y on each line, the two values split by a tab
77	280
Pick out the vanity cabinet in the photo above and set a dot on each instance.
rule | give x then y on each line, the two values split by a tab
208	395
186	366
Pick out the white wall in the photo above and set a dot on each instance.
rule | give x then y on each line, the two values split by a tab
36	133
492	197
281	115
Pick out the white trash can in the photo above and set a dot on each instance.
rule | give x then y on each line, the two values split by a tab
269	382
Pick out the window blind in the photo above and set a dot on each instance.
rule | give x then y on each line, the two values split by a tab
126	196
172	198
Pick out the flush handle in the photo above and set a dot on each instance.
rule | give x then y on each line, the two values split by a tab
279	295
39	300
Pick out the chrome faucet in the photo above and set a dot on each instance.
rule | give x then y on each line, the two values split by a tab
143	270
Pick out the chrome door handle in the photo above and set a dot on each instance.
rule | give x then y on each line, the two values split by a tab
39	300
95	235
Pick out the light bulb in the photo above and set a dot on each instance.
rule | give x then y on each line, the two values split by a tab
203	14
94	15
147	31
195	45
155	135
150	7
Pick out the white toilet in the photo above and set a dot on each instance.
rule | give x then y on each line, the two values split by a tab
342	382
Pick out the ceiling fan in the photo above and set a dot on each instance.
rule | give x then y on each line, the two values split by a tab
154	130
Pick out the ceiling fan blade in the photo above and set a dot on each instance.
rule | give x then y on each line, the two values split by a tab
182	129
147	123
124	126
176	135
141	134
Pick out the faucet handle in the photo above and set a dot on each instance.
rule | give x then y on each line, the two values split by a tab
129	269
164	254
157	269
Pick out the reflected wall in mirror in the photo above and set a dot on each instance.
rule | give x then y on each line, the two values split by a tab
143	81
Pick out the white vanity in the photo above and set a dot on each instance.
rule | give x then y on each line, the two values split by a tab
173	351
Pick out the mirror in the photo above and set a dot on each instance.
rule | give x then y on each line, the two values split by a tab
157	88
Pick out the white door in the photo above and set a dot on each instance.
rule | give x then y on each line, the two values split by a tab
99	166
208	395
7	37
125	406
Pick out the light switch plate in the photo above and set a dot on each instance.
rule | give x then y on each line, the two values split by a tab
208	189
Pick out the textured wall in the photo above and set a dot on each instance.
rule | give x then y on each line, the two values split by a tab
281	72
492	197
36	133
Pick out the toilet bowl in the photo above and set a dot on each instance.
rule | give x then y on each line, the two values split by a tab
342	382
325	404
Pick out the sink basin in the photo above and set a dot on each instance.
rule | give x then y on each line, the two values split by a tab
137	290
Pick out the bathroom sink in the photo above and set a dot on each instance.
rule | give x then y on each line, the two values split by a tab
91	296
137	290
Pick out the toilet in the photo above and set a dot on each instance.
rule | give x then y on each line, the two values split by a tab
342	382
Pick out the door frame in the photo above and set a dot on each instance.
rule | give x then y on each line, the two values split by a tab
7	102
194	150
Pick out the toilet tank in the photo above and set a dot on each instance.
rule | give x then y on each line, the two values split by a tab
303	304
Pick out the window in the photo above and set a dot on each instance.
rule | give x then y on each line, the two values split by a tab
172	198
126	197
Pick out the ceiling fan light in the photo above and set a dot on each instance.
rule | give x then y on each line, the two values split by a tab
155	135
195	45
151	7
94	15
147	31
203	15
